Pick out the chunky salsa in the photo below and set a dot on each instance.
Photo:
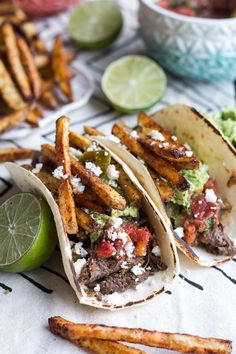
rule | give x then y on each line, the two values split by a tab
201	8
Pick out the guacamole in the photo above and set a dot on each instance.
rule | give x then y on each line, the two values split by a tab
226	122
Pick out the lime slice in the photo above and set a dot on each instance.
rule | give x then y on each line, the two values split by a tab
133	83
27	233
95	24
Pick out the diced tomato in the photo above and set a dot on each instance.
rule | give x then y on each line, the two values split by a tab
184	10
105	250
140	236
201	209
190	233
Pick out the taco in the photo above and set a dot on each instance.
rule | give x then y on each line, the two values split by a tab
194	169
118	252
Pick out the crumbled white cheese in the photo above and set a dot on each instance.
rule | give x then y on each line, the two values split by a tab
187	147
93	168
160	146
117	235
156	251
121	253
112	172
113	184
174	138
138	269
116	222
78	265
153	143
78	187
124	265
210	196
200	202
113	138
179	231
78	248
165	145
134	134
112	299
196	215
157	135
58	173
93	147
139	286
189	153
75	152
97	288
148	268
37	168
141	160
129	249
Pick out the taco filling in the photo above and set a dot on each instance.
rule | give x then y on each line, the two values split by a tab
191	197
112	243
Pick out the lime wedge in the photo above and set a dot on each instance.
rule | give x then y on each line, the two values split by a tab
27	233
95	24
133	83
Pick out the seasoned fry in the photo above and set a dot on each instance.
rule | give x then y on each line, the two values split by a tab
79	141
110	197
92	202
162	167
14	154
107	347
92	131
48	98
132	193
61	72
13	56
30	67
13	119
31	33
7	8
184	343
85	221
49	180
41	60
65	193
166	192
34	115
8	89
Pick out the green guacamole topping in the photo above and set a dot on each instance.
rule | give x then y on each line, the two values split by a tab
226	122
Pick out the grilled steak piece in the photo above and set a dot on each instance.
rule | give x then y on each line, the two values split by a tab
217	242
96	269
120	282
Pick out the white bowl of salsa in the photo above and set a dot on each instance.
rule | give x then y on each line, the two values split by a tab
188	45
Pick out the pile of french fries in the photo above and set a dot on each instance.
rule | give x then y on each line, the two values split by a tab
31	78
103	339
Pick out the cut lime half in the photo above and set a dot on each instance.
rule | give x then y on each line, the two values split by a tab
95	24
27	233
133	83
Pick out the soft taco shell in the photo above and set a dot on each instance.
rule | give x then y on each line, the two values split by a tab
152	287
212	148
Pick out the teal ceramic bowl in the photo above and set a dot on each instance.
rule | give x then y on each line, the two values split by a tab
197	48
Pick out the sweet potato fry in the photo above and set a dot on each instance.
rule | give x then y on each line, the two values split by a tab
30	67
8	90
14	154
92	131
49	180
184	343
61	72
85	221
13	119
107	347
65	193
110	197
79	141
48	98
90	201
162	167
166	192
13	57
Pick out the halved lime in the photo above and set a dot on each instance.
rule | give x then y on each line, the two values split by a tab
27	233
133	83
95	24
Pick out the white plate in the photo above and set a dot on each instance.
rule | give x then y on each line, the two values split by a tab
83	88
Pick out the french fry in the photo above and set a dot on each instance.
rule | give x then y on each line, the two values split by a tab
92	202
14	154
12	120
85	221
65	193
33	116
61	72
79	141
183	343
162	167
166	192
48	98
110	197
13	57
7	8
30	67
31	33
8	90
49	181
107	347
92	131
41	60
